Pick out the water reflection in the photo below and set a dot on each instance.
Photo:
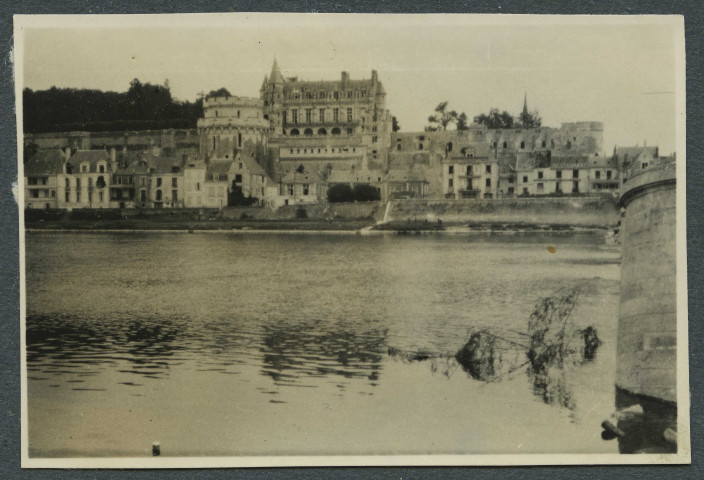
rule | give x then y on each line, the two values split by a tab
292	353
83	347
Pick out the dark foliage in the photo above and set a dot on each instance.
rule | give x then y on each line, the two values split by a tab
142	107
340	192
343	192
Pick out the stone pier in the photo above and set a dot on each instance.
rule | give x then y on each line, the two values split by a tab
646	372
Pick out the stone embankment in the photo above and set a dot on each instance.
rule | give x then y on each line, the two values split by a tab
518	214
574	211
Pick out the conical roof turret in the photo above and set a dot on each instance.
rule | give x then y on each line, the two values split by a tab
276	76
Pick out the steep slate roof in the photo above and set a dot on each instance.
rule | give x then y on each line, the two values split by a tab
162	165
252	166
406	176
218	167
304	177
569	161
44	162
92	157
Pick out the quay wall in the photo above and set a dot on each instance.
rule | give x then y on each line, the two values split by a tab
577	211
647	327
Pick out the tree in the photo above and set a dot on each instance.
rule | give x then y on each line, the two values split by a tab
495	119
394	124
462	122
340	192
221	92
441	119
530	119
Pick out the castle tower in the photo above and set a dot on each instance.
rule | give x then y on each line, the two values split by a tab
271	93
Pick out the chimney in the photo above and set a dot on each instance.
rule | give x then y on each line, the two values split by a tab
375	77
113	154
345	77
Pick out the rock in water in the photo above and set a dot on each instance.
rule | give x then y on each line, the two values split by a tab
479	357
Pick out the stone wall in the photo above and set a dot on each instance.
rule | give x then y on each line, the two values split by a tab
577	211
647	329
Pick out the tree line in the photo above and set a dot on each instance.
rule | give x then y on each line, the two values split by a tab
443	118
144	106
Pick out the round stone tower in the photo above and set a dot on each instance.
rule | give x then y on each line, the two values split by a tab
646	372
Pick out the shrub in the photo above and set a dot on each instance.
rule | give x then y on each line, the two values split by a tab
343	192
340	192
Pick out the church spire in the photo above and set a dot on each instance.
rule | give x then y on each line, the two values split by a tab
276	76
525	103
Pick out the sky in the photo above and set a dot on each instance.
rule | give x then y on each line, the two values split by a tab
624	71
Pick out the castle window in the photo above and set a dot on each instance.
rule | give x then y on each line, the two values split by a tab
308	132
608	174
488	169
448	147
335	131
373	128
597	174
525	179
292	150
575	173
321	115
469	170
488	182
374	139
398	146
294	116
335	114
540	174
101	169
336	95
349	115
216	113
451	169
523	144
349	94
543	143
495	144
505	145
420	146
294	131
309	115
238	114
540	187
364	93
283	116
322	131
322	95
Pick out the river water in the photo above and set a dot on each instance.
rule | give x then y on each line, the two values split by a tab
249	344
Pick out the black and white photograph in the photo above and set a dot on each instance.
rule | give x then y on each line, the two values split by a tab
267	239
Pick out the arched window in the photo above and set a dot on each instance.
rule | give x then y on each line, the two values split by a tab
308	132
322	131
335	131
294	131
505	145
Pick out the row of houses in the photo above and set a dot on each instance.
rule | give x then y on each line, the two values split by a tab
69	179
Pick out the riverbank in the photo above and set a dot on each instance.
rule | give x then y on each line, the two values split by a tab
538	214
